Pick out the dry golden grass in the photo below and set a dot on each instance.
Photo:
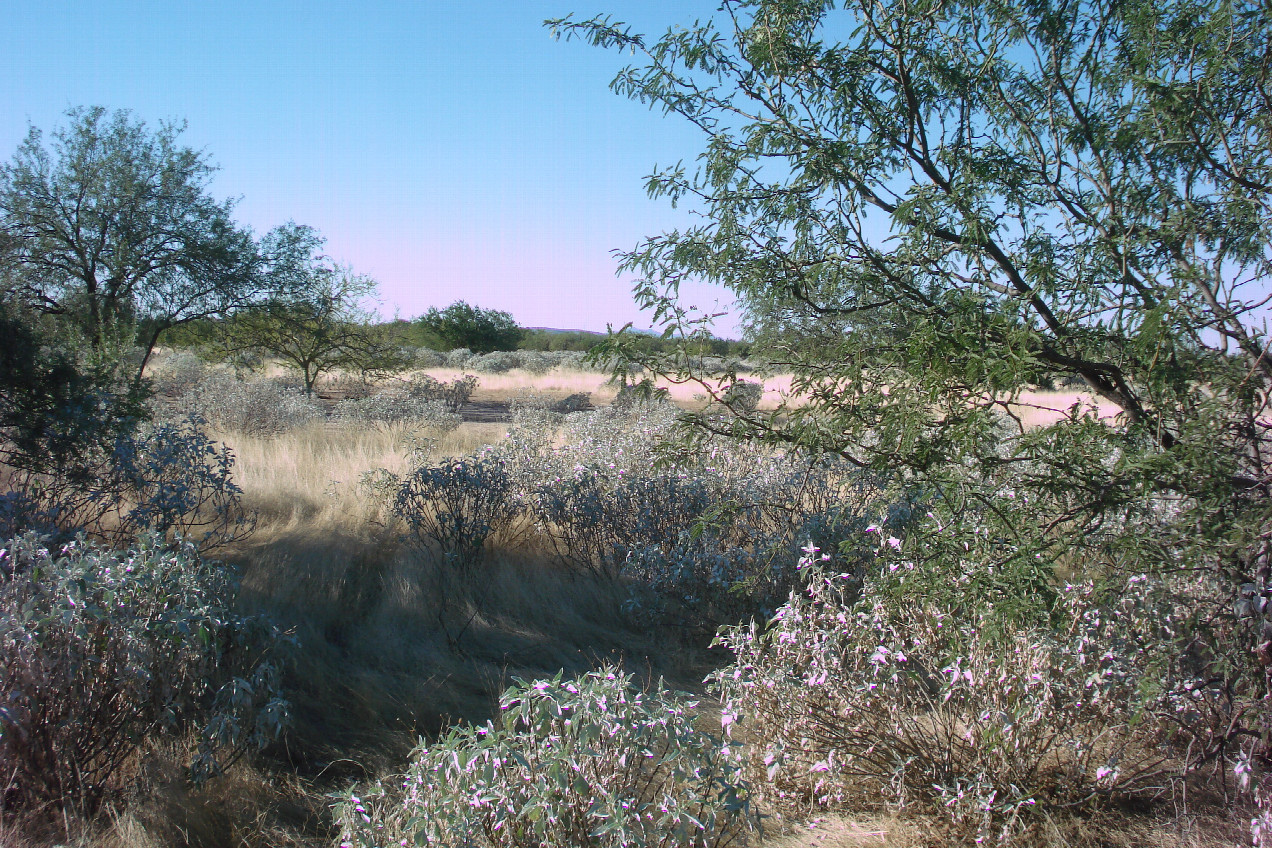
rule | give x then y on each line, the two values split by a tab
375	670
560	383
312	475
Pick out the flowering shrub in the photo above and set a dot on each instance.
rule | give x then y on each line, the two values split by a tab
920	699
585	762
101	650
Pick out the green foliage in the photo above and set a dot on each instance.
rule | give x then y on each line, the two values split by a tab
591	761
54	412
79	455
546	340
925	207
580	340
114	225
462	326
103	651
321	327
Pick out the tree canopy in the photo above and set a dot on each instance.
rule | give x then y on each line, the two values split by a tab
114	223
325	326
479	330
927	207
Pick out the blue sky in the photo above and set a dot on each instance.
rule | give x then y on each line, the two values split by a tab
449	150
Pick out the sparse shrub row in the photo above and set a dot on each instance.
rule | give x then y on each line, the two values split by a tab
707	538
421	401
543	361
270	406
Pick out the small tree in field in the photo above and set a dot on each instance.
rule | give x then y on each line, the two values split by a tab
927	207
325	327
479	330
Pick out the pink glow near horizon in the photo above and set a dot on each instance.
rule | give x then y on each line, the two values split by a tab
542	282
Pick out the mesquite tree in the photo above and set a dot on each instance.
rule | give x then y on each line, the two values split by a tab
928	206
113	225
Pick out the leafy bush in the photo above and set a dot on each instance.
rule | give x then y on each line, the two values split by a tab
577	402
347	386
713	530
462	326
573	360
502	361
495	362
457	505
101	650
175	374
421	388
427	358
537	362
698	575
167	478
180	484
743	395
458	358
938	701
585	762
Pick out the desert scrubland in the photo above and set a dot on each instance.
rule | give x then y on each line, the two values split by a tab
968	542
418	565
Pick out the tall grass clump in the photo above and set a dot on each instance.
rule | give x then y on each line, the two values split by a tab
591	762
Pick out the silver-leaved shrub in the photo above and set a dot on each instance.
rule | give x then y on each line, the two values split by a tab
102	651
456	506
588	762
